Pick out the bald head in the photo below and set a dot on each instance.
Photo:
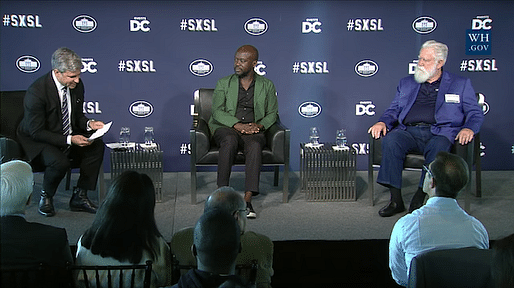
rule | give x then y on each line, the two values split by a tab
216	242
249	49
226	199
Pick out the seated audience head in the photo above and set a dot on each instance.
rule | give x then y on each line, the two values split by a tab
17	182
228	200
126	213
503	262
447	175
216	242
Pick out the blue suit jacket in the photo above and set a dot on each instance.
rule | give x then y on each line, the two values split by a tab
456	106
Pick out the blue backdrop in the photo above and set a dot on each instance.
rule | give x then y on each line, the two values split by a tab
335	64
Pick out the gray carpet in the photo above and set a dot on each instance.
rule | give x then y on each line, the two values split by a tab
297	219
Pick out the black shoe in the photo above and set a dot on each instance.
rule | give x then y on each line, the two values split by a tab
417	201
250	213
80	202
391	208
46	205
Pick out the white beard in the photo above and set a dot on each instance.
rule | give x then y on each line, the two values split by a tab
421	75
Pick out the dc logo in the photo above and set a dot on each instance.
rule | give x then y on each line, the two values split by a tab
84	23
88	65
256	26
201	67
311	25
139	24
259	68
141	109
366	68
309	109
28	64
424	25
481	22
365	108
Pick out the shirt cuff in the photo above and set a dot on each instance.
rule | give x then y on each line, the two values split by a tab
68	139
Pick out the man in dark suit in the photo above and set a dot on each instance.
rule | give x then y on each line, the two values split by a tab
431	110
244	105
23	243
54	130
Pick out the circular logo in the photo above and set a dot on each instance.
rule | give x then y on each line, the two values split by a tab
201	67
141	109
28	64
84	23
424	25
256	26
366	68
309	109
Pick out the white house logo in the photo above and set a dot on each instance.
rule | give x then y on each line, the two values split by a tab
366	68
481	101
424	25
309	109
84	23
256	26
28	64
201	67
141	109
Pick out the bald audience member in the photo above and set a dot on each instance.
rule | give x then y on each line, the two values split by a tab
216	245
254	246
25	244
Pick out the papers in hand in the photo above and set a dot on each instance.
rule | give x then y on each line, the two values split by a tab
100	132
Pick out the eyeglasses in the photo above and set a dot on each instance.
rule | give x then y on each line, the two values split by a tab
428	171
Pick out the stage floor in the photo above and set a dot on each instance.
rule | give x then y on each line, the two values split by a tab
298	219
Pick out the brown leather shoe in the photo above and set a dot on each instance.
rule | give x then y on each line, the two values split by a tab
80	202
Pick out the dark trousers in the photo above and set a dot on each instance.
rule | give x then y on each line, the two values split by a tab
57	163
230	142
397	143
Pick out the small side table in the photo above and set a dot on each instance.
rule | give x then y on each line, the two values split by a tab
147	161
327	174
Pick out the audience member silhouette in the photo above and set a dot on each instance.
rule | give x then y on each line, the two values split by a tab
440	223
503	262
26	244
254	246
124	230
216	245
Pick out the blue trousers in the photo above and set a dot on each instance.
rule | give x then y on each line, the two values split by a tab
397	143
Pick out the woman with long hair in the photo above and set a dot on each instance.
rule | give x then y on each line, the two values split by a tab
124	230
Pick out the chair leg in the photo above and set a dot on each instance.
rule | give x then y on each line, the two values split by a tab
285	188
478	167
68	179
275	178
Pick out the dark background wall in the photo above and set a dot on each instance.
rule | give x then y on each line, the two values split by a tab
310	50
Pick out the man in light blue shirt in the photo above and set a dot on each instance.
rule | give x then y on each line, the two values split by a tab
440	223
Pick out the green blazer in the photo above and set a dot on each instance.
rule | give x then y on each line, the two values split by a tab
224	102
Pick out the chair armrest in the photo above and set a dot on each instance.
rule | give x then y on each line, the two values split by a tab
277	140
200	138
375	151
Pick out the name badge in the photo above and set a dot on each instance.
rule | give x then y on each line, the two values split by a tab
451	98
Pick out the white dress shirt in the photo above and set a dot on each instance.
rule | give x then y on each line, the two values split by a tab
440	224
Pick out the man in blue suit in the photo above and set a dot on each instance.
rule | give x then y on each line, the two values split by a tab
431	110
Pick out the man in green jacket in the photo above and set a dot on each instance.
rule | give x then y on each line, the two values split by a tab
244	105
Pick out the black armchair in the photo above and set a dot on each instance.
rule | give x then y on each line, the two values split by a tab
11	112
204	151
414	161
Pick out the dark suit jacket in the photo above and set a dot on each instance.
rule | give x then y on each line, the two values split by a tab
42	119
26	243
